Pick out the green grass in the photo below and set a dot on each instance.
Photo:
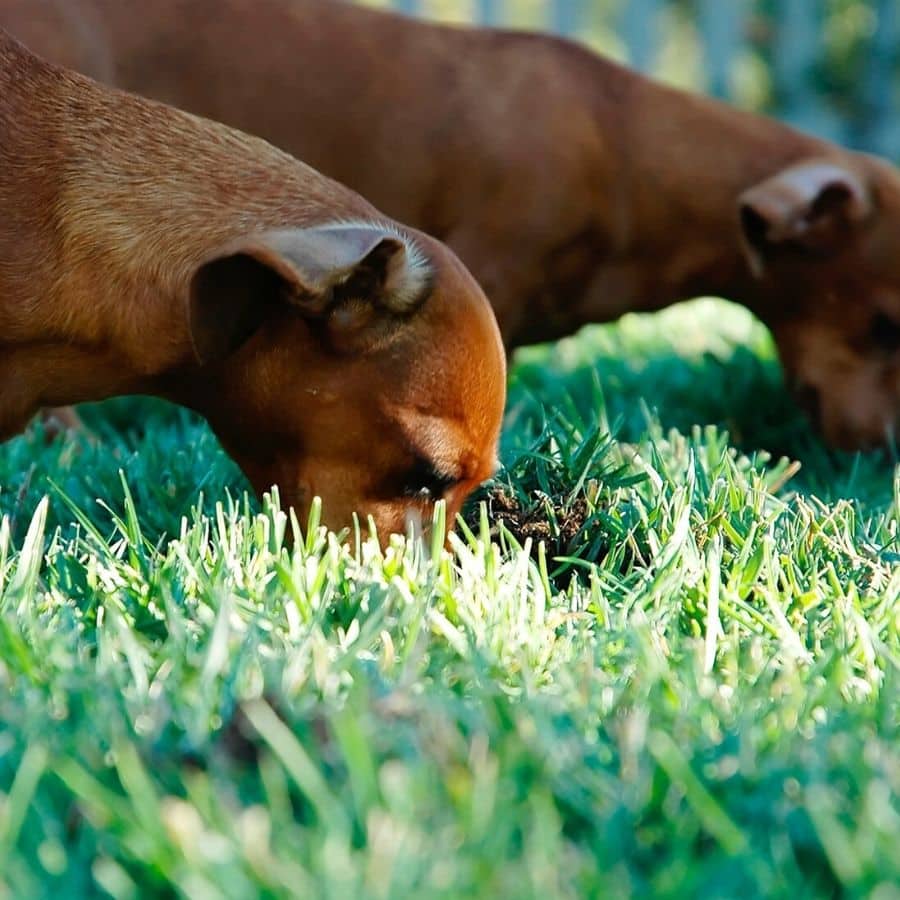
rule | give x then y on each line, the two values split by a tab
662	662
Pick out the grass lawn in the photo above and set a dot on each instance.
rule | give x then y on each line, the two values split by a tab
663	662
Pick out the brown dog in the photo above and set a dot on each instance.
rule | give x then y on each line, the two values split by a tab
143	250
572	188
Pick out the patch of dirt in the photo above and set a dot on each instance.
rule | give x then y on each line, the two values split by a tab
533	522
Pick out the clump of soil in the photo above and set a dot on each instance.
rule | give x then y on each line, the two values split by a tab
557	529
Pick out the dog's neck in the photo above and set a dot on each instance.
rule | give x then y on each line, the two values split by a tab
673	225
108	204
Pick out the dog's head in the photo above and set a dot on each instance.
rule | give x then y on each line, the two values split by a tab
355	362
822	239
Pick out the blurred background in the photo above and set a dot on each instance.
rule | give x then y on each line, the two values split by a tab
829	66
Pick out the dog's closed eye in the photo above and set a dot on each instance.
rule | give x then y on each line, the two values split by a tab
424	481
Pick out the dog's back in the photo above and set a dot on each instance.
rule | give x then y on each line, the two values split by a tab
415	116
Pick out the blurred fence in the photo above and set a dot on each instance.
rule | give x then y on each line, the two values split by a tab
829	66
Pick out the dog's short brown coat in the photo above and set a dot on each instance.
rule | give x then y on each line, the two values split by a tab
572	188
143	250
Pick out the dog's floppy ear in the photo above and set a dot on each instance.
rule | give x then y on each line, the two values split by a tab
808	207
318	270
